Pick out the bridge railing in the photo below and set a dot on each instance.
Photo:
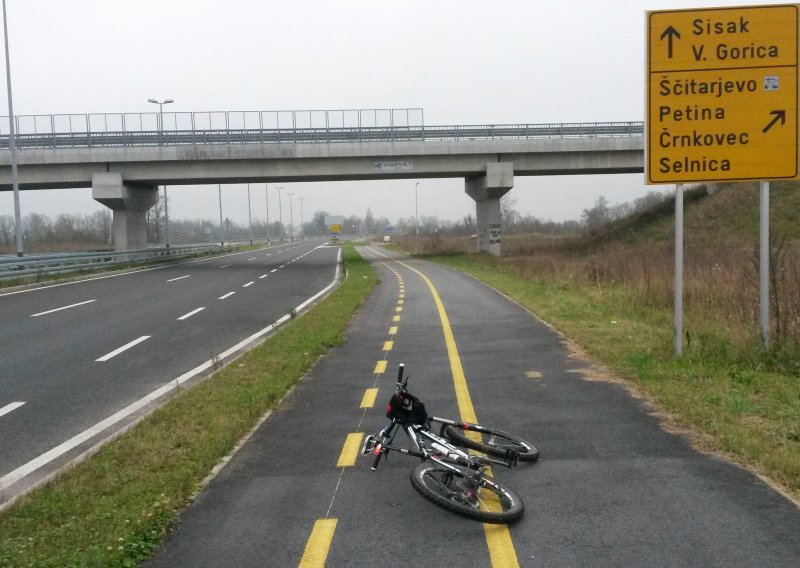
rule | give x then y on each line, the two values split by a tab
276	127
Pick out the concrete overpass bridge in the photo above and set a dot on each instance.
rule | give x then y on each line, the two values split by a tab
124	157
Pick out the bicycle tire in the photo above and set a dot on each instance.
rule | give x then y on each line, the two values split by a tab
493	502
497	445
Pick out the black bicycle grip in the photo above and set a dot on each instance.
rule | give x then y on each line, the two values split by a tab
377	460
400	368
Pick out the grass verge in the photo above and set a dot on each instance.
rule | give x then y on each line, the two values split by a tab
744	405
116	508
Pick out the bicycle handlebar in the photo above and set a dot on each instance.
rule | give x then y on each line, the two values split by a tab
401	384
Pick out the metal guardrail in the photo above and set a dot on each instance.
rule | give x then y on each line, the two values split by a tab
53	264
276	127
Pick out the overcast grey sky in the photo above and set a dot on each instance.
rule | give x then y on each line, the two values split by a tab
463	62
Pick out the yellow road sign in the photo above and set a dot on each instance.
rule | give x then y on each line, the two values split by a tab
722	89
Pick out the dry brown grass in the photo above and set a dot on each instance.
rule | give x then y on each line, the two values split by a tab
721	277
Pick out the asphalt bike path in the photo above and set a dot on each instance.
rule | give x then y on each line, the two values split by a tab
611	487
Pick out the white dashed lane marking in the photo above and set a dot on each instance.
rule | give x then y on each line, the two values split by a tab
125	347
62	308
190	314
9	407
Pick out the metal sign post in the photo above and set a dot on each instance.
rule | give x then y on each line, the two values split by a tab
679	269
722	105
764	263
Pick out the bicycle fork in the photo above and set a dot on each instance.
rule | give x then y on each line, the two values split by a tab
381	445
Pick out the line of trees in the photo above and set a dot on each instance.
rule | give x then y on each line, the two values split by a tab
79	229
94	230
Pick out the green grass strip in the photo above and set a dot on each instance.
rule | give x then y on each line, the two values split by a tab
116	508
747	407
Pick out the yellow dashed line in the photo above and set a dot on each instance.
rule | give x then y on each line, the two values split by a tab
369	398
318	544
533	375
380	367
387	345
396	318
393	330
399	309
400	302
350	450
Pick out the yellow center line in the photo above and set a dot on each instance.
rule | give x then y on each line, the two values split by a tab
350	450
318	544
387	345
393	330
369	398
396	318
380	367
399	309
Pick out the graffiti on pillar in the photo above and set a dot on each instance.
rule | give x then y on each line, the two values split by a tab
495	234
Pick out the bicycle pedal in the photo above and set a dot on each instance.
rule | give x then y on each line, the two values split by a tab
369	445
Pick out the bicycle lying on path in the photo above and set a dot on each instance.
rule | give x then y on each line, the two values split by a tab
449	476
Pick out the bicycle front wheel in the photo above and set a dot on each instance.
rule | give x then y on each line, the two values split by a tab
466	493
495	443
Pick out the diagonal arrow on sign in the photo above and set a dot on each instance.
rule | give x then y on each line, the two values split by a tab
670	33
779	115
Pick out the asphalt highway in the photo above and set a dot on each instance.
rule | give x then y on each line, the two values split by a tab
78	360
611	488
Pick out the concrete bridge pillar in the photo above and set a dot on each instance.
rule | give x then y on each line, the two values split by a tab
130	204
487	190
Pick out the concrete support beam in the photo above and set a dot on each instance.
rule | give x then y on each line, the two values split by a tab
130	204
487	190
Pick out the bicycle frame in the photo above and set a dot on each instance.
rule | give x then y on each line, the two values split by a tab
453	479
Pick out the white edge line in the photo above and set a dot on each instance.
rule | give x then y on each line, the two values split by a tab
125	347
190	314
28	468
62	308
178	278
9	407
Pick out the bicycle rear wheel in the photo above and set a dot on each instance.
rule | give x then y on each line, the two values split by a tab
481	498
496	443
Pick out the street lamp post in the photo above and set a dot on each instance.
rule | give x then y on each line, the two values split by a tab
160	117
416	209
166	218
12	143
291	219
221	228
280	210
266	191
302	226
249	214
